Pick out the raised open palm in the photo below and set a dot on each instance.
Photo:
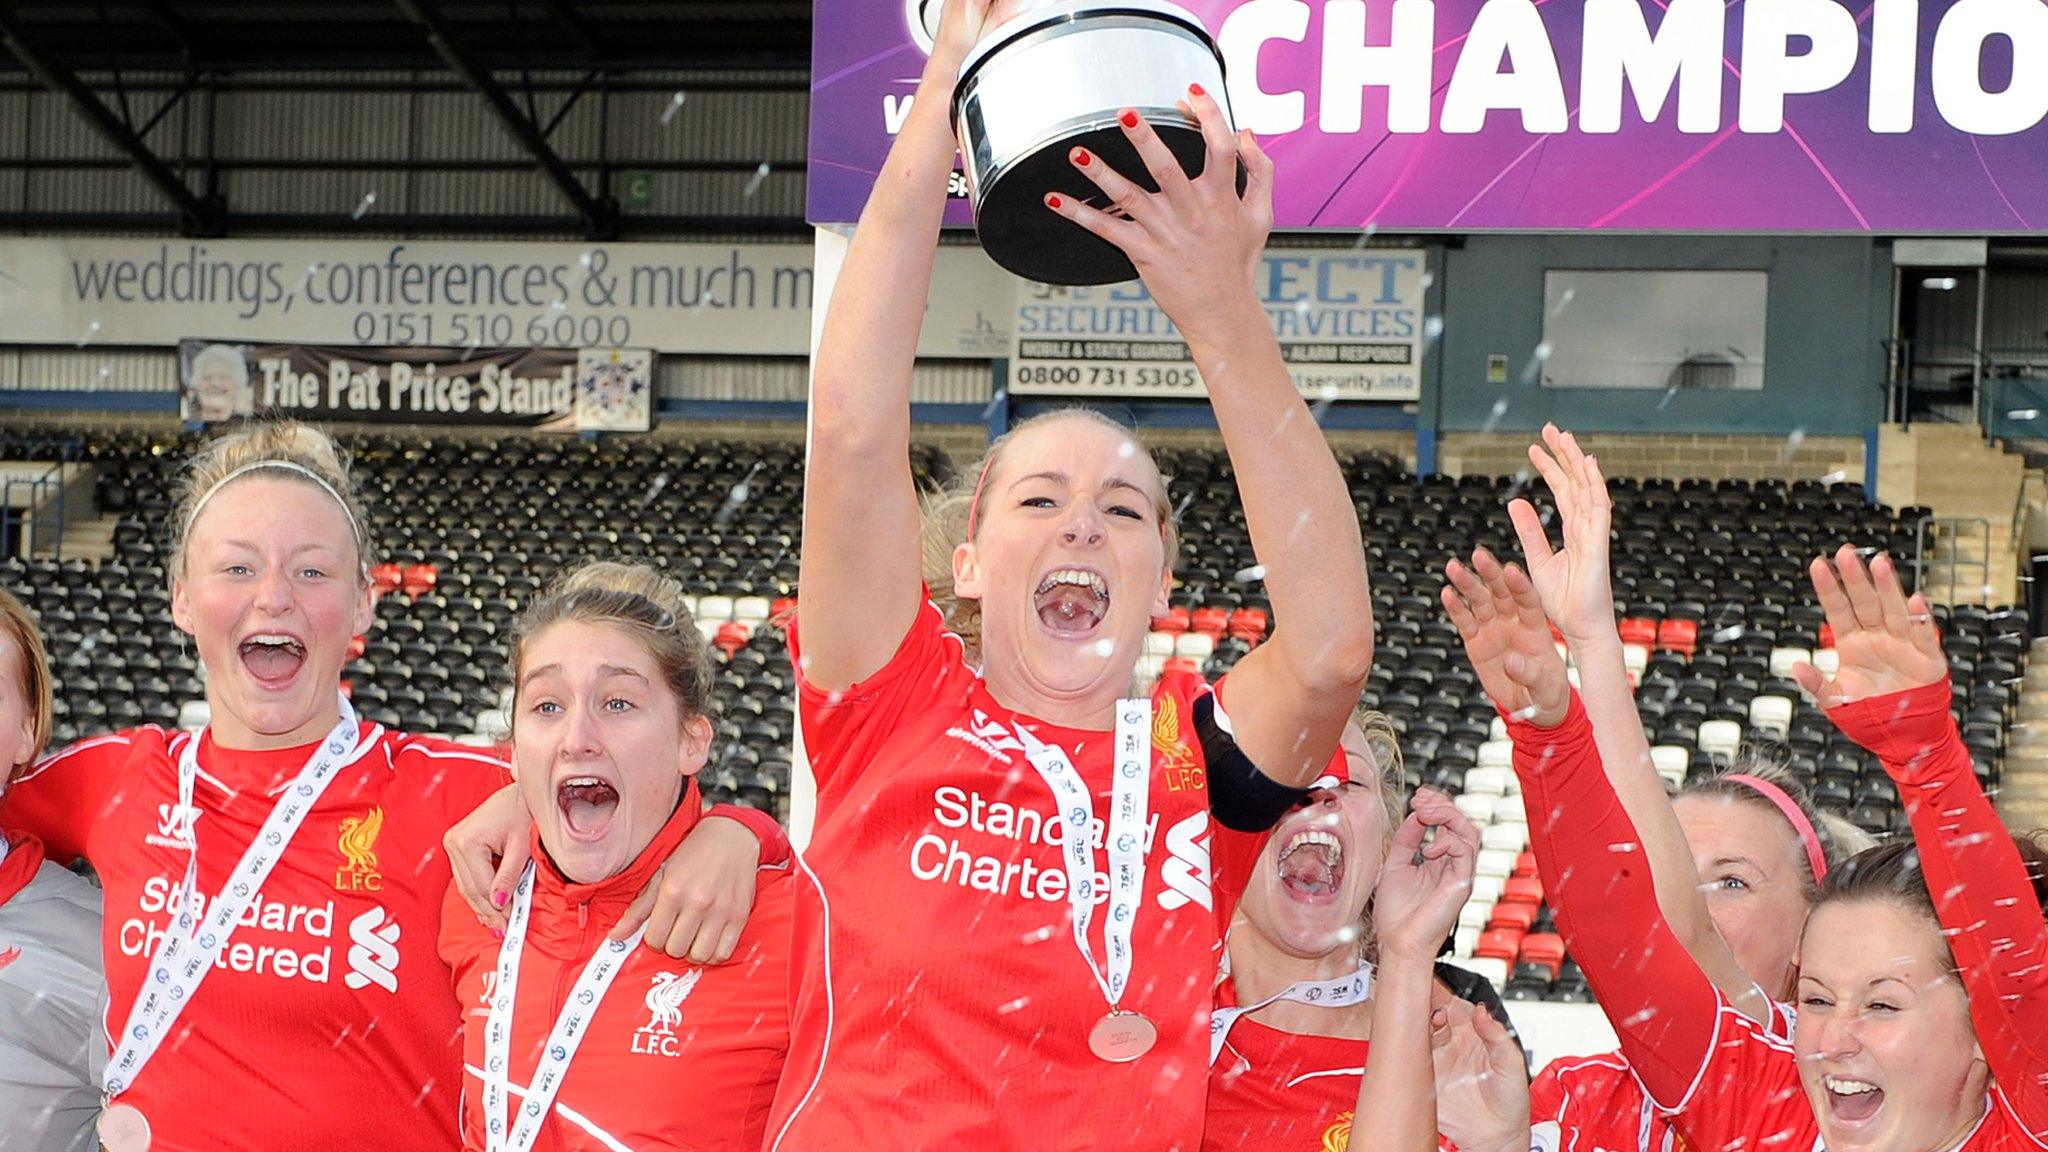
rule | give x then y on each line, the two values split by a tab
1500	621
1571	579
1886	641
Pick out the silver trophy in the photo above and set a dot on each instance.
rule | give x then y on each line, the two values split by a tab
1053	75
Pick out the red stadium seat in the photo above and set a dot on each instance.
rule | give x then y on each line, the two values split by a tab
1174	622
1545	948
1827	635
1520	917
1209	621
357	645
1522	890
386	578
1499	944
1680	636
731	637
1249	624
420	579
1525	864
782	612
1639	630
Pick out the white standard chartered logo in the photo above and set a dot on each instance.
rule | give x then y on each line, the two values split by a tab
373	951
274	938
1010	849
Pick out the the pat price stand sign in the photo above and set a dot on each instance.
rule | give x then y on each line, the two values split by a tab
550	389
1349	322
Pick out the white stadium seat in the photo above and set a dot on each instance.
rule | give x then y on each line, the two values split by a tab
1720	738
194	715
717	609
1477	806
752	609
1498	730
1783	660
1511	810
1488	780
1475	913
1507	836
1159	644
1672	763
1194	645
1771	714
1488	888
1498	752
1493	862
1465	939
1495	971
1827	660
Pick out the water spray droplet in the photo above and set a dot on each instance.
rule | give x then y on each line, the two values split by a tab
754	185
363	206
674	105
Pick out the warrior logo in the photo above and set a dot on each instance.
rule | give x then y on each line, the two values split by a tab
358	843
664	1003
175	827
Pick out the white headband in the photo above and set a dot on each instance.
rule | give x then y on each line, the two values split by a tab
354	529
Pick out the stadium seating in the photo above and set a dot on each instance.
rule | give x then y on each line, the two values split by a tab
1709	582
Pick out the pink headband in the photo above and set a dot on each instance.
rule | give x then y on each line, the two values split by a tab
974	505
1800	824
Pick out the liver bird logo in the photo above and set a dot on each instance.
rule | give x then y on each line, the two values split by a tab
1338	1135
1166	735
359	840
665	1000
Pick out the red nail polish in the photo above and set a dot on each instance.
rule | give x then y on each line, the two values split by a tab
498	933
498	899
1053	202
1197	90
1081	157
1129	118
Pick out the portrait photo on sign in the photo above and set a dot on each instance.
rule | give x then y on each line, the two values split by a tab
214	383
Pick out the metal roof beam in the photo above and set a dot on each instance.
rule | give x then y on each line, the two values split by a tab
601	216
201	217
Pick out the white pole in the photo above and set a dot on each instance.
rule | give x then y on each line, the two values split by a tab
828	255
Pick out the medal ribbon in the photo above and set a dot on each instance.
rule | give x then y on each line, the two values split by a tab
1130	803
1336	992
190	948
563	1039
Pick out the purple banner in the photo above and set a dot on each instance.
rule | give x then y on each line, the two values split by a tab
1885	116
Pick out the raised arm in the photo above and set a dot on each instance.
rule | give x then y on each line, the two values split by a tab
859	576
1588	853
1578	596
1198	245
1890	694
1421	888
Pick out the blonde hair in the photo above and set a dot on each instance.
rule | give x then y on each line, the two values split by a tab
644	602
275	449
17	625
949	515
1384	744
1839	839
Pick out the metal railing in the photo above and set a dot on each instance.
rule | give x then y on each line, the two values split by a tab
1956	367
32	514
1945	535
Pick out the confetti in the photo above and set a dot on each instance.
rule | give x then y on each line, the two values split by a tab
674	105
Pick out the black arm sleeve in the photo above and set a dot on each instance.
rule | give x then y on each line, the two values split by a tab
1241	797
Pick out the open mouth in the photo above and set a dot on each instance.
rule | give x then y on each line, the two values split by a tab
1852	1101
1312	865
1071	601
587	805
273	658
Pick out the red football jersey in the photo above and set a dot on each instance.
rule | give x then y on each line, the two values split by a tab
676	1056
1277	1090
1599	1106
329	1021
940	1000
